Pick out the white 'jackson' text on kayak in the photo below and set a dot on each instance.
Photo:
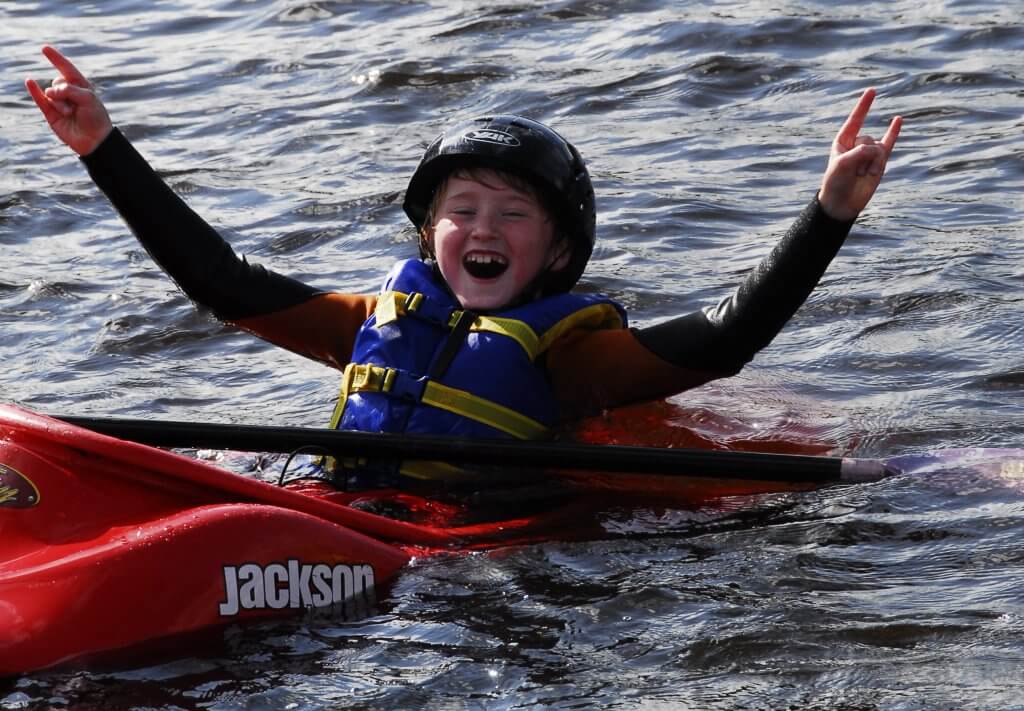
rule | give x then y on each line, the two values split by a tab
296	585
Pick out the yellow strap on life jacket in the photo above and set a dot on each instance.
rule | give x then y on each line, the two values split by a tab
356	378
477	408
330	463
510	327
339	408
590	318
374	378
393	304
594	317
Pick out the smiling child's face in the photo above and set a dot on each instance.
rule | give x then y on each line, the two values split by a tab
491	240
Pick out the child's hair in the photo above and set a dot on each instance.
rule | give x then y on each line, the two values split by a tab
527	154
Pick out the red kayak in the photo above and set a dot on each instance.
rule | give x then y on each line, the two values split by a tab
109	544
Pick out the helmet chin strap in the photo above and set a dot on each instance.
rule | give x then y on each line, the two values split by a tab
536	287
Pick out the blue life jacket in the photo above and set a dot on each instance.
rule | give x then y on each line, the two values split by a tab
422	364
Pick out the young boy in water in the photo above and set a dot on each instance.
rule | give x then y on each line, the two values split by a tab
481	335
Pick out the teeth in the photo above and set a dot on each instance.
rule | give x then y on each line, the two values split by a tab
486	258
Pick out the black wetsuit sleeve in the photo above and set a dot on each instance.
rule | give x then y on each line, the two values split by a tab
182	243
724	338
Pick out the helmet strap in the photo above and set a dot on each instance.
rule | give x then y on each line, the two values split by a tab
537	288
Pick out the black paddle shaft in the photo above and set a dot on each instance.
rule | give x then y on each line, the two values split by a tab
505	453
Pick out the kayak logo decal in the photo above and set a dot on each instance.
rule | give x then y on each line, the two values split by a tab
296	585
16	490
493	135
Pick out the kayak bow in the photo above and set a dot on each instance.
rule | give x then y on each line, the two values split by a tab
109	544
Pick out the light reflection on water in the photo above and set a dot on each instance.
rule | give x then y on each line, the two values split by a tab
291	126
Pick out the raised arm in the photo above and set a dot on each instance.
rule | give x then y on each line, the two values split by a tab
282	310
718	341
731	333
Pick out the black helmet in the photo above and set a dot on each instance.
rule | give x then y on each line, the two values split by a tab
526	148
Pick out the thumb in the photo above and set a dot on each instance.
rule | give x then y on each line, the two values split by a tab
72	94
862	159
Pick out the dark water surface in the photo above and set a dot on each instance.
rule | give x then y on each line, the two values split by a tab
293	126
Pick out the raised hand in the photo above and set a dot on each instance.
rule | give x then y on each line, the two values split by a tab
856	163
71	107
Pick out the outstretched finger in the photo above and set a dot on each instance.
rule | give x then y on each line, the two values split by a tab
878	161
893	132
63	65
50	112
855	121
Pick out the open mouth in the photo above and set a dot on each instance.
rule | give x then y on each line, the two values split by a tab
485	266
